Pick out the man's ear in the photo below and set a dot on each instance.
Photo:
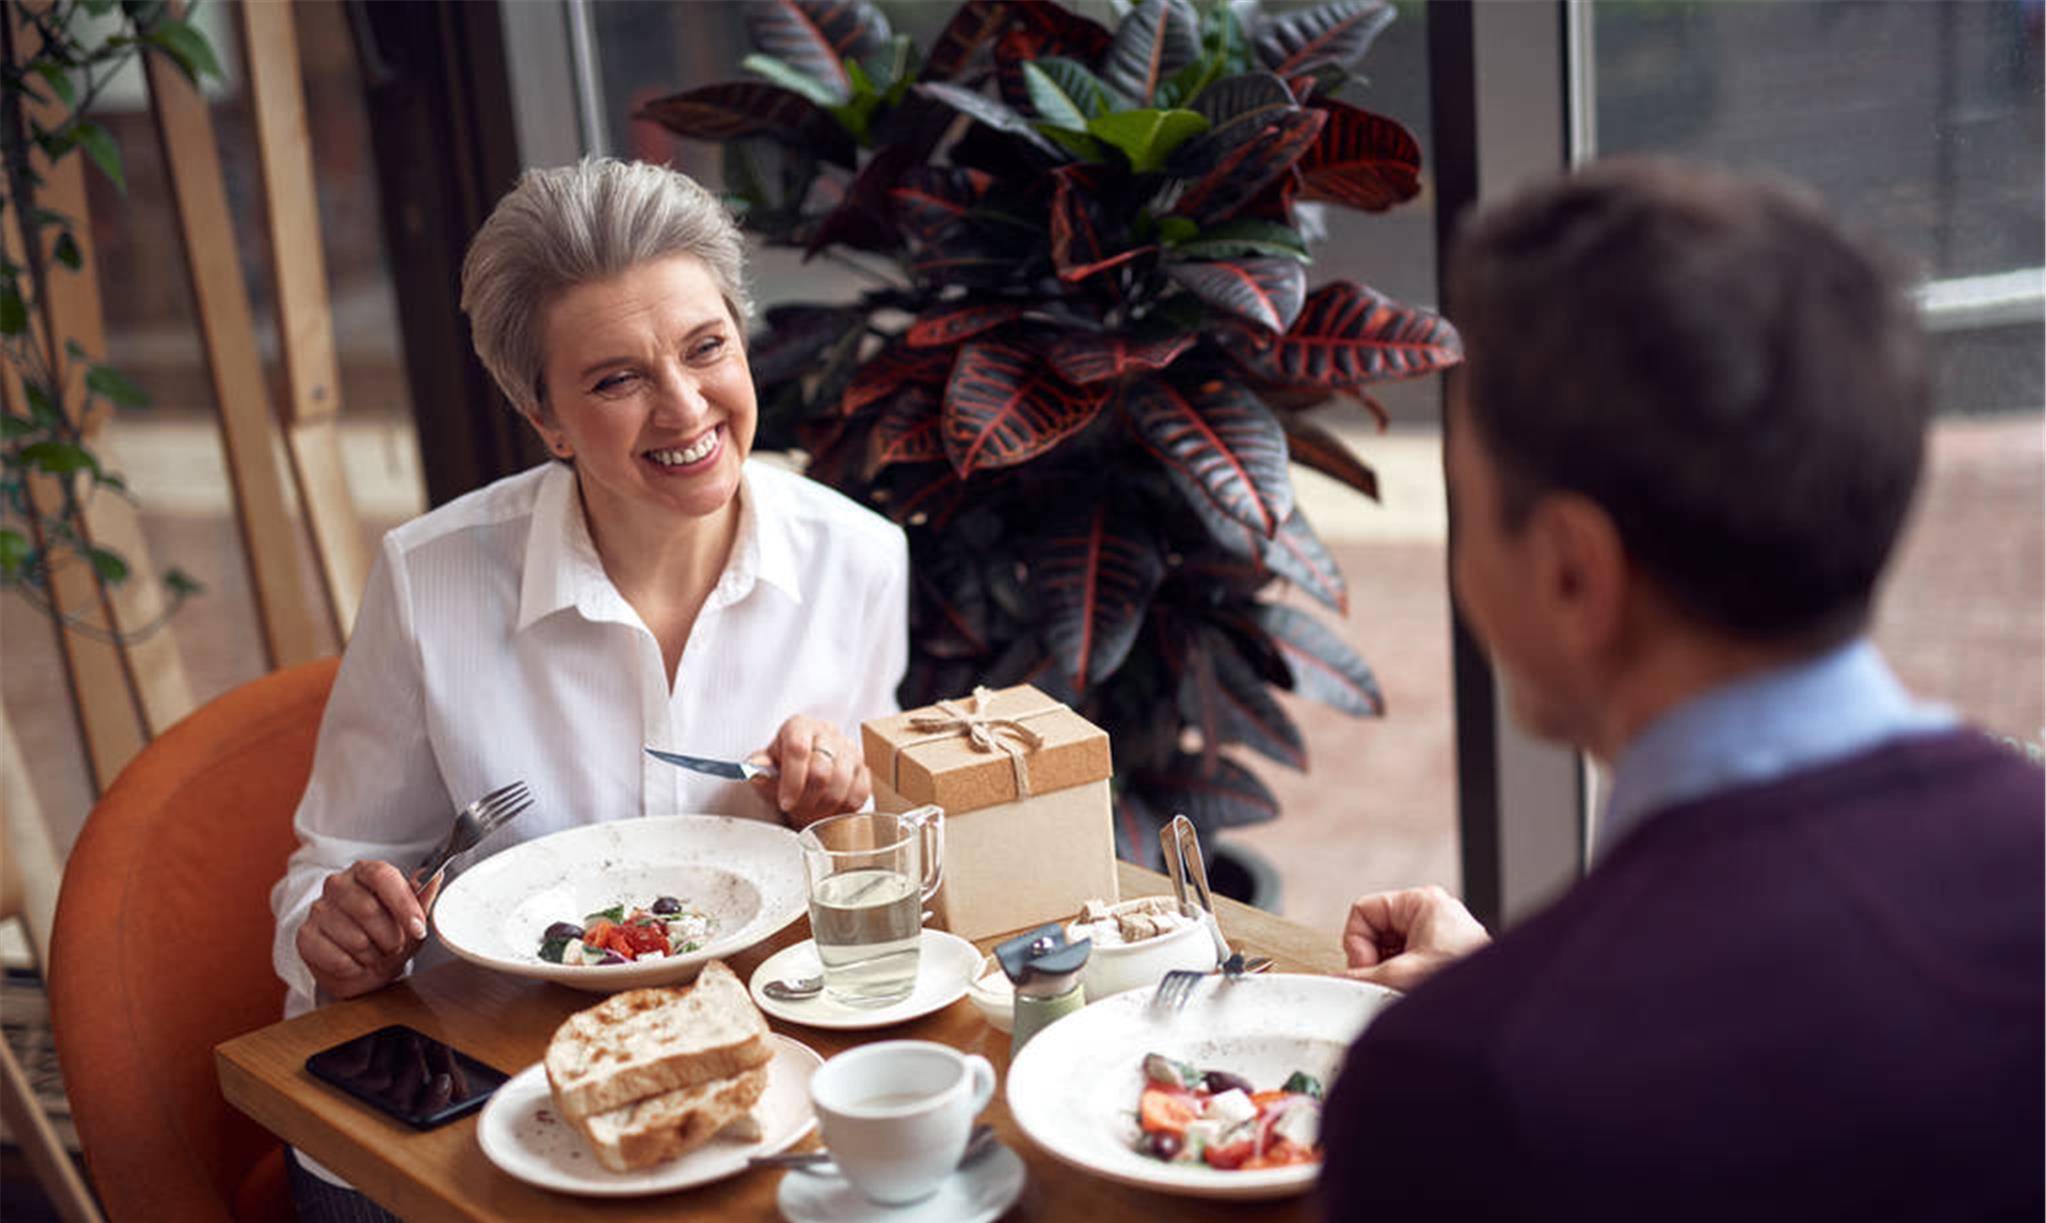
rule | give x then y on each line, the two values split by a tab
1583	573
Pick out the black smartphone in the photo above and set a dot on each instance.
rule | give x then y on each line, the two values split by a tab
404	1073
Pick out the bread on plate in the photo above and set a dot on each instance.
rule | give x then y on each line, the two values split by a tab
649	1074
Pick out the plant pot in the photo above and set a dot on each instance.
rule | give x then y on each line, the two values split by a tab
1242	873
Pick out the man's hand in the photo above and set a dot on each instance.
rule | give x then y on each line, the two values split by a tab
1399	939
363	928
821	771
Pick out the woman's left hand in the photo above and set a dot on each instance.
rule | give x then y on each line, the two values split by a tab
821	771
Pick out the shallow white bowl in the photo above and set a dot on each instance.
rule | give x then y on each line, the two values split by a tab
747	874
993	995
1074	1088
1115	967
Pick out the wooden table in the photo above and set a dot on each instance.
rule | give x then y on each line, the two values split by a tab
506	1021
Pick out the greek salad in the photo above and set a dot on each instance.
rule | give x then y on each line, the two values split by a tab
615	936
1186	1115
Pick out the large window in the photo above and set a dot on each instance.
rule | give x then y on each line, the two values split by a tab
1377	807
1921	123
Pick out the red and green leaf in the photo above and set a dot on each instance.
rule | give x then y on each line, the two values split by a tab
1084	358
906	431
1156	40
966	39
1348	335
863	219
1229	701
948	325
891	369
1230	798
1065	32
1094	571
1223	450
1361	160
1312	446
793	31
933	201
1297	554
951	608
738	109
1324	667
1265	291
1237	109
1244	172
1078	245
1005	406
1334	34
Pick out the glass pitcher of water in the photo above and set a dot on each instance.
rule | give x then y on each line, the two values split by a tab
869	875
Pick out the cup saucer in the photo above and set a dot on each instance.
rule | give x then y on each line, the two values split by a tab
945	962
978	1193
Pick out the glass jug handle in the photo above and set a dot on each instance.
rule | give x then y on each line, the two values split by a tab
929	822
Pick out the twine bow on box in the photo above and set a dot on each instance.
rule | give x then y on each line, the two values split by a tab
984	731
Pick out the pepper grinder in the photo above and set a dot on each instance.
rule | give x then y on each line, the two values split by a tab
1045	970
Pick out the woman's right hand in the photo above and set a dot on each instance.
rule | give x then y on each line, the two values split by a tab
363	928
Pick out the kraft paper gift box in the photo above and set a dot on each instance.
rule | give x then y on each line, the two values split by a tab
1029	821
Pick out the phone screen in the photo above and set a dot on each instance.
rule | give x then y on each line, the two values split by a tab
407	1074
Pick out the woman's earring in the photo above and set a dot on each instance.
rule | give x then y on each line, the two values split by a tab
563	449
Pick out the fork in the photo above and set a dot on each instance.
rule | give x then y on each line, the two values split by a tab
472	823
1176	987
1182	845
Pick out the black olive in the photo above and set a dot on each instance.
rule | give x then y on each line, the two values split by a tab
562	929
1219	1081
667	904
1164	1144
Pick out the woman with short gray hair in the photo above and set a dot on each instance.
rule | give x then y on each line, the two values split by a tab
654	586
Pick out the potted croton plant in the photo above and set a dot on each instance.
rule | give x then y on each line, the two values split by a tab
1080	379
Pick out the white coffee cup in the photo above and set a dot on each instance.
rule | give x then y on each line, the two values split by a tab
896	1114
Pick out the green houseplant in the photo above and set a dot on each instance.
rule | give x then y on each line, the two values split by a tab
1080	381
76	49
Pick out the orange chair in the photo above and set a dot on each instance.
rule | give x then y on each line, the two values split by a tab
161	950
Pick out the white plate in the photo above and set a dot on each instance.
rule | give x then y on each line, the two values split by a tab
746	873
523	1136
944	964
1074	1087
976	1194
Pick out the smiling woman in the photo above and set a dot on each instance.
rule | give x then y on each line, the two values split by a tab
653	586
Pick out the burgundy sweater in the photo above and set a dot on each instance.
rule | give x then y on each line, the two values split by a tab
1816	998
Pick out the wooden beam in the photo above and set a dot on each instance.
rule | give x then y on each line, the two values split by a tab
262	509
304	318
156	671
110	723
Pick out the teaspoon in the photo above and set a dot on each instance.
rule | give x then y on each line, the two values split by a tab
794	989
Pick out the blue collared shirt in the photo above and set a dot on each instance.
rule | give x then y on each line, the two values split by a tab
1759	728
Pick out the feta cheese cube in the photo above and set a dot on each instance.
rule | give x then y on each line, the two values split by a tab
1230	1107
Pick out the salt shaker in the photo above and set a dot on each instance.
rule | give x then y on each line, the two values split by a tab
1045	970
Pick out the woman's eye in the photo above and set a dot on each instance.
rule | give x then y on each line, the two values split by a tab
708	347
612	382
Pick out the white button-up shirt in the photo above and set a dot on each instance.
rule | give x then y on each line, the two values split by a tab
491	647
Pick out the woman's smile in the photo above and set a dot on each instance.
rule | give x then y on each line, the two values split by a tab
686	458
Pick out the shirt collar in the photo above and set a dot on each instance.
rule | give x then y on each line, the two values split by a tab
563	570
1759	728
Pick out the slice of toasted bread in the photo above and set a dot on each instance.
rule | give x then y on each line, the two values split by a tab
662	1127
645	1042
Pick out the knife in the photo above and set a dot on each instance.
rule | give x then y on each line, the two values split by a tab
731	770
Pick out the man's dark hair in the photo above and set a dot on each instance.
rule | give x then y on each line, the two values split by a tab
1715	362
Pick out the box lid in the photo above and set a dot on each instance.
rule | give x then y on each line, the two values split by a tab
973	752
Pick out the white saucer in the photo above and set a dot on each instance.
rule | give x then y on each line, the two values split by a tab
975	1194
945	963
521	1134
